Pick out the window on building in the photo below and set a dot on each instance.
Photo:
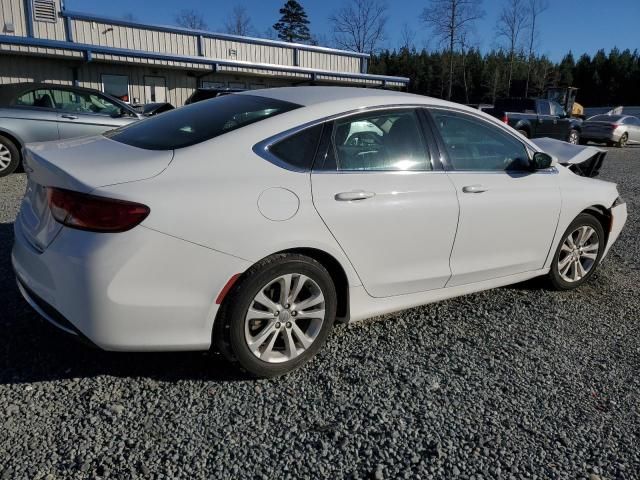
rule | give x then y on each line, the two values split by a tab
117	86
214	85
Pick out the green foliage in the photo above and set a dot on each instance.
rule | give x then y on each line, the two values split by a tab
604	79
293	23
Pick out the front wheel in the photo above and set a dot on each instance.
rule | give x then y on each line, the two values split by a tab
574	136
278	316
578	254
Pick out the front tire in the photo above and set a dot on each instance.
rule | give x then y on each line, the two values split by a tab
578	253
278	316
9	156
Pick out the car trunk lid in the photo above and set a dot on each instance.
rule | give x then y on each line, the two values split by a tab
81	165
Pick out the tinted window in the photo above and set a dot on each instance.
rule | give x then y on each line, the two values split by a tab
299	149
473	144
83	102
556	109
389	140
631	121
543	108
199	122
42	98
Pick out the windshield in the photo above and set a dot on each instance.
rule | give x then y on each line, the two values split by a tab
199	122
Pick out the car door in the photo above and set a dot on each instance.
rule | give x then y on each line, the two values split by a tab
385	199
633	127
508	213
562	123
82	113
546	123
33	116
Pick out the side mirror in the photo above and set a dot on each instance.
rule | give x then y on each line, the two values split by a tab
541	161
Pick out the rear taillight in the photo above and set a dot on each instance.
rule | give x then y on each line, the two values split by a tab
505	118
614	126
93	213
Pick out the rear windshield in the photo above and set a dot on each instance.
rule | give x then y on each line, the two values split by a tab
515	104
199	122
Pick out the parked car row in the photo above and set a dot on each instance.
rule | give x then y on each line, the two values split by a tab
252	222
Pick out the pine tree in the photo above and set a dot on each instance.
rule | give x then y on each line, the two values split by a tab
293	23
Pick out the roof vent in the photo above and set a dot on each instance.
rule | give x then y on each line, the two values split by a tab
44	11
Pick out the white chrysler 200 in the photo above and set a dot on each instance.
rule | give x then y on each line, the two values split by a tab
253	221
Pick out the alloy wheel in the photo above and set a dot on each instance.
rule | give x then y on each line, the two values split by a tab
5	157
578	254
284	318
623	140
573	137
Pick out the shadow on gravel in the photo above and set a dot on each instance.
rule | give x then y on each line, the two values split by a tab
31	350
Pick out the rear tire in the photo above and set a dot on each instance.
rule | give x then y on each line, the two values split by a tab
524	133
578	254
271	336
623	141
9	156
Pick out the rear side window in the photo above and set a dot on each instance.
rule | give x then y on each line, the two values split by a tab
199	122
299	149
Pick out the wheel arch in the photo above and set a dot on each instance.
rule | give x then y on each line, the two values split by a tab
337	273
603	215
15	139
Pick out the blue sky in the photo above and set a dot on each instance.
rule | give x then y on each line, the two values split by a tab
577	25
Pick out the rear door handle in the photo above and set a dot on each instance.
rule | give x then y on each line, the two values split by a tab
354	195
70	117
474	189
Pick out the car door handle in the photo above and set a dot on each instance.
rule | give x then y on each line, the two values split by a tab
354	195
70	117
474	189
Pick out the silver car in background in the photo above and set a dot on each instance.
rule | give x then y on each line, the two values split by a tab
39	112
618	130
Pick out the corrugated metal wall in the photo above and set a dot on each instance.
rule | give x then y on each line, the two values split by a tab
13	11
119	36
16	68
50	30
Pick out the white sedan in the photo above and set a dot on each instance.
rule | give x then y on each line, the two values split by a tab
254	221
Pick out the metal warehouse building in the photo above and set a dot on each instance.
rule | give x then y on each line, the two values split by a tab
42	41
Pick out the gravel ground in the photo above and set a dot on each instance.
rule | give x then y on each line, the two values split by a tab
517	382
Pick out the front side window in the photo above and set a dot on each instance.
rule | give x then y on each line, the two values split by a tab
199	122
84	102
473	144
41	98
117	86
382	140
556	109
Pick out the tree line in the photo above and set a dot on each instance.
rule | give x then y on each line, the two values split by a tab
455	68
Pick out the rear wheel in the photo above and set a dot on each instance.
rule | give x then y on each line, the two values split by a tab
623	141
278	316
574	136
524	133
578	254
9	156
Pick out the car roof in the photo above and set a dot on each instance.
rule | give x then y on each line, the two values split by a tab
348	97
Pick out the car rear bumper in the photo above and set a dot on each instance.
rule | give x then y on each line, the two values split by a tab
135	291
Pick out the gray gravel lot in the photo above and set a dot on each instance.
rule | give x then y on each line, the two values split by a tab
518	382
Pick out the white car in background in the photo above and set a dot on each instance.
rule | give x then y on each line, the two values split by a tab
253	221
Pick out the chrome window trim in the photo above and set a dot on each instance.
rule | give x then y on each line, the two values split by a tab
262	148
